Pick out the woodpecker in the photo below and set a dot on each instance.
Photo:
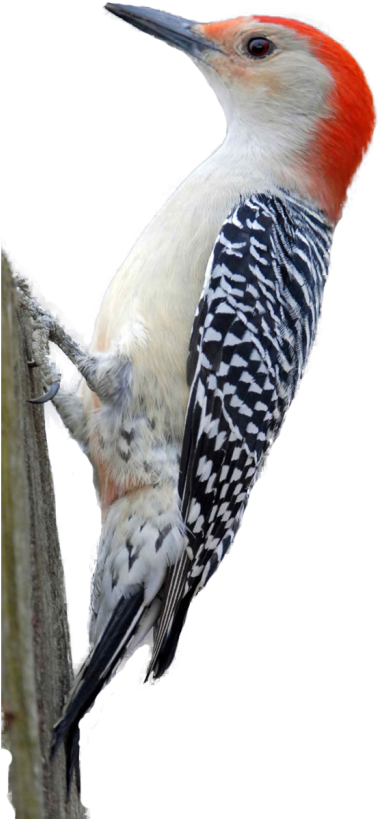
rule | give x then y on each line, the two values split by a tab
203	335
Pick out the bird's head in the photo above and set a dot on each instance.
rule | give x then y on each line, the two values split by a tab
292	96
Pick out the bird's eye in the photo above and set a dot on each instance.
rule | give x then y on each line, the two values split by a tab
259	47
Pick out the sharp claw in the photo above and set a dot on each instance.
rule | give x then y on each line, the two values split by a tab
51	393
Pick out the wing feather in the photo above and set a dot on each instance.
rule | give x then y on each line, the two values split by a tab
252	333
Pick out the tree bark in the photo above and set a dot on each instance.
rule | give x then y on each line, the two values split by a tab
37	670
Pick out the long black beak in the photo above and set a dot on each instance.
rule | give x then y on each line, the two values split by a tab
174	30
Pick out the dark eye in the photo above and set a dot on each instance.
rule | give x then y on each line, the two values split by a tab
259	47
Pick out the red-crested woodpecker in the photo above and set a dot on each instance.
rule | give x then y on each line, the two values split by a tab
204	332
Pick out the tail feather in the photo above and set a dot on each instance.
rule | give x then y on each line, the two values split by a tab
94	674
170	645
142	536
172	622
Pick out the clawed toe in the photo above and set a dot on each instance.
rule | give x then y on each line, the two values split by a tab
48	395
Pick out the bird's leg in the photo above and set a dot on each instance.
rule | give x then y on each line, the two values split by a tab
108	375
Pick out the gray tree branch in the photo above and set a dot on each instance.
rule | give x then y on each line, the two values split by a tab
37	670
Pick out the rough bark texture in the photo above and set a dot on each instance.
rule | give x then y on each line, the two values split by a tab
37	670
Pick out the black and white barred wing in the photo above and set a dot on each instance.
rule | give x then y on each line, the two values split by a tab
252	333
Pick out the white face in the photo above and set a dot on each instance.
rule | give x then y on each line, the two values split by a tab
282	93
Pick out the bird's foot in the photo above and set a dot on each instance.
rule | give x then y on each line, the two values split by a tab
42	322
